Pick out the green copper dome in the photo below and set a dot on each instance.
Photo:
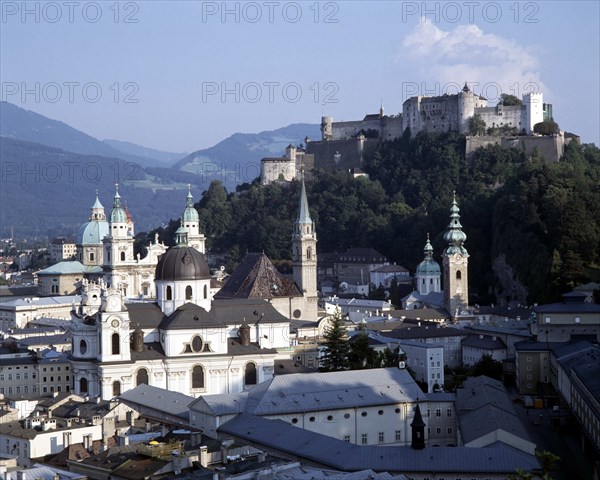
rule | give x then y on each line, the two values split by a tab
190	214
454	235
428	266
118	214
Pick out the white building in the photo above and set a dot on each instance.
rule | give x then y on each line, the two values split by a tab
18	313
427	361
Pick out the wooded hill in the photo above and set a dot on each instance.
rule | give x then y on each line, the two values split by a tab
533	228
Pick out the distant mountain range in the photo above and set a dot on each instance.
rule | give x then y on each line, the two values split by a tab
50	171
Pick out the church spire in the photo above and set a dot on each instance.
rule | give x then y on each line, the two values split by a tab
303	211
418	430
97	210
454	235
118	213
428	250
181	236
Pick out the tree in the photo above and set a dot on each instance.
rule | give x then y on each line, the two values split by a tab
508	100
548	461
489	367
361	355
547	127
476	125
336	348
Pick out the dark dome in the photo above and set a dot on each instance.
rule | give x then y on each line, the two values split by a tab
182	263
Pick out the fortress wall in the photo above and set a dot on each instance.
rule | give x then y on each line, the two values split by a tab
551	147
350	150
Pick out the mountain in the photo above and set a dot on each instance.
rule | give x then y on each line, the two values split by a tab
237	158
167	158
28	126
47	191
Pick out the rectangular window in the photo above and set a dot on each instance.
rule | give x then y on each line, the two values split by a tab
438	412
547	320
449	412
59	379
438	430
381	437
18	376
577	319
10	376
67	388
364	439
529	377
45	389
529	368
449	430
398	435
26	376
529	359
347	438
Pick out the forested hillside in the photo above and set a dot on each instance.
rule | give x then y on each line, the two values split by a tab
533	228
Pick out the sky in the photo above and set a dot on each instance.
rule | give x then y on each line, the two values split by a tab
180	76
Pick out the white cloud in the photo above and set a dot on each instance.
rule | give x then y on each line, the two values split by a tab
440	60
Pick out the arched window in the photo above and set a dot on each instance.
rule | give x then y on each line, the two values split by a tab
197	377
307	229
250	374
115	340
188	292
169	293
83	385
92	256
82	347
116	388
308	253
205	292
141	377
122	256
458	275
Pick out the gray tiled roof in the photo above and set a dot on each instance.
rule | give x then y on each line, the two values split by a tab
483	407
573	307
334	453
223	312
486	342
426	332
159	399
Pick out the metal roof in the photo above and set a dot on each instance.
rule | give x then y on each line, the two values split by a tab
334	453
160	399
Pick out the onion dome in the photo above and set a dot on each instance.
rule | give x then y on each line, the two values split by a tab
454	235
428	266
190	214
118	214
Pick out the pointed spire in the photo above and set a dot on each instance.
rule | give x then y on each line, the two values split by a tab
190	197
117	201
303	211
428	250
454	235
97	203
381	109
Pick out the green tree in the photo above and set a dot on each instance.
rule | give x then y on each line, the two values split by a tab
488	366
361	355
476	125
336	348
547	127
508	100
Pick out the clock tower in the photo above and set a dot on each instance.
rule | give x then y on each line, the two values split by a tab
456	262
113	328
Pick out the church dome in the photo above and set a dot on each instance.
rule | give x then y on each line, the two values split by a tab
428	267
182	263
92	233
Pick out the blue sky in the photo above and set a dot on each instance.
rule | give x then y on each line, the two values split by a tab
181	76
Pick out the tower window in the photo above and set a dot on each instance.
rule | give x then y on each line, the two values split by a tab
188	292
92	256
115	340
141	377
122	256
205	292
83	385
458	275
250	374
82	347
116	387
308	253
169	293
197	377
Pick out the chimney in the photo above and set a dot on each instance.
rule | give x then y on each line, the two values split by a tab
123	440
87	442
244	334
262	456
129	417
148	426
204	456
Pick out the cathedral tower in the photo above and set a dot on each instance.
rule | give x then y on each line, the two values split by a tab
304	253
118	245
191	222
455	260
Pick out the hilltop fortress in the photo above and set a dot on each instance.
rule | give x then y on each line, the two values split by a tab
344	145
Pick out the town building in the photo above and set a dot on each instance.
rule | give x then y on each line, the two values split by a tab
474	347
18	313
287	168
61	249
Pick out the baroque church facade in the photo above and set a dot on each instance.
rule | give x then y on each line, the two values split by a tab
186	341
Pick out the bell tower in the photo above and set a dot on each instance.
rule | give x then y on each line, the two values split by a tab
190	220
455	262
304	253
